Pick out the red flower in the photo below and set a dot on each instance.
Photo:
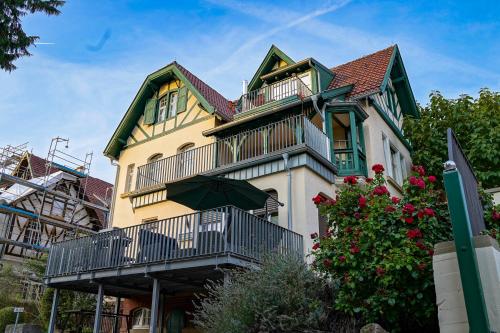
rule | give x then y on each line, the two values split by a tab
353	180
414	233
409	220
362	202
381	190
413	180
390	209
342	258
408	208
369	180
395	200
318	199
420	214
327	262
357	215
419	169
495	215
378	168
380	271
421	245
432	179
314	235
429	212
315	246
421	184
354	249
430	252
421	266
330	202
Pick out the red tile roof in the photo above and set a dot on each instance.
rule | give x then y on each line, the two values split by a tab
223	107
94	187
366	73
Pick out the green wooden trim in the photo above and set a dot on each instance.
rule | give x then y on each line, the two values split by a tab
466	253
388	70
332	93
314	80
143	131
268	106
354	142
391	124
169	131
273	53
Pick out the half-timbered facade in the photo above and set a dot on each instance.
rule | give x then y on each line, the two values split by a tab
296	130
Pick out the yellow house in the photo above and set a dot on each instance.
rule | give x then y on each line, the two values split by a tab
298	127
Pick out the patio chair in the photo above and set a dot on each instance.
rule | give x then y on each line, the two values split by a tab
154	246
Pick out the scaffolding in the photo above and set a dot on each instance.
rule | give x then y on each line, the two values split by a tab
53	206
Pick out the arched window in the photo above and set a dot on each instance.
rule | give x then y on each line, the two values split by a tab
141	318
155	157
185	163
270	210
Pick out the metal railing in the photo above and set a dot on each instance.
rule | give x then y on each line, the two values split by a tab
276	91
283	134
224	230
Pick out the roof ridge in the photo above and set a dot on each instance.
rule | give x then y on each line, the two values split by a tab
363	57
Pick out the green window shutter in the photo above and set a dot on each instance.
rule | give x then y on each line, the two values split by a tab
182	99
150	111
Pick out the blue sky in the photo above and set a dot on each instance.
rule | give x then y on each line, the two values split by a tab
94	56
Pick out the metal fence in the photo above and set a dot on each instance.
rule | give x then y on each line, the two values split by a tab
224	230
277	91
81	321
470	184
283	134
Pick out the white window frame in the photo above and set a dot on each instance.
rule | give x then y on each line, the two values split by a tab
172	104
129	176
387	154
162	109
144	318
393	155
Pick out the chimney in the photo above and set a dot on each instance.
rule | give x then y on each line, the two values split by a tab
244	87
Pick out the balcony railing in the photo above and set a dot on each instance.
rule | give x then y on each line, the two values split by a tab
344	159
284	90
221	231
243	146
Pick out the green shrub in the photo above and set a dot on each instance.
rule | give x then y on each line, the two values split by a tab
282	296
7	317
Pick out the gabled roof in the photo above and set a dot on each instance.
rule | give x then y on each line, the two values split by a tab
210	99
369	75
265	67
366	74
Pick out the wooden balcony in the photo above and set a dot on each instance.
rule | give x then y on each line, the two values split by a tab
273	138
187	247
276	94
346	161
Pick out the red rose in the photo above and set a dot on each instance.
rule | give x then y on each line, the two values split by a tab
369	180
354	249
380	190
414	233
362	202
378	168
420	214
390	209
330	202
395	200
429	212
495	216
353	180
327	262
432	179
315	246
314	235
419	169
318	199
421	245
408	208
380	271
409	220
421	184
430	252
413	180
342	258
357	215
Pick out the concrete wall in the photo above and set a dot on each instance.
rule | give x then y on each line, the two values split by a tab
449	294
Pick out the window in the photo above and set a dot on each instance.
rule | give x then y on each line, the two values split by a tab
395	163
128	178
185	160
155	157
141	318
162	110
172	106
32	233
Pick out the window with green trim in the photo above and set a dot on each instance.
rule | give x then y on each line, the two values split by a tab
167	107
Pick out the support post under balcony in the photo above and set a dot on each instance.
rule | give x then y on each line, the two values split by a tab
98	309
155	297
53	311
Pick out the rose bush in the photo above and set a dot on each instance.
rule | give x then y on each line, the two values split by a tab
379	249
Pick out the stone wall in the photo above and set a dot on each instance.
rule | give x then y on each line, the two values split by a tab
449	294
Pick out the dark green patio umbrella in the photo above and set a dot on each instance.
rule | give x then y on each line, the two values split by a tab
207	192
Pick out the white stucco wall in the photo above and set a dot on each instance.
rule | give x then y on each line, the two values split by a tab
452	313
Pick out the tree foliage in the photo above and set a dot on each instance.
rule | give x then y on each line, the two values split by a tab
14	42
379	249
282	296
476	123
